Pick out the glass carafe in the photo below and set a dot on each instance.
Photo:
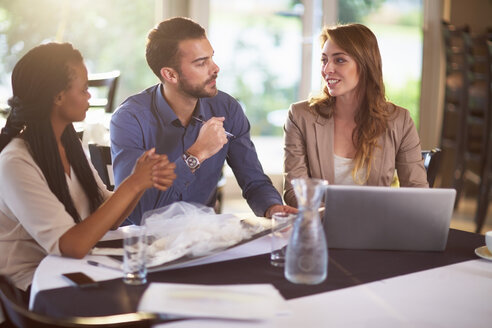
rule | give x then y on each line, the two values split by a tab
307	253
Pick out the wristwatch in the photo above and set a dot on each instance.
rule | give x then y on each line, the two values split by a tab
191	161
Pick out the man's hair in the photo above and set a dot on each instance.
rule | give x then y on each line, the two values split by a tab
163	42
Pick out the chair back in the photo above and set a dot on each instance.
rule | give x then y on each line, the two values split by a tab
101	159
485	187
103	85
432	162
17	315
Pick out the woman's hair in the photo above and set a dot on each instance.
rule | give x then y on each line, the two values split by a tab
372	116
37	79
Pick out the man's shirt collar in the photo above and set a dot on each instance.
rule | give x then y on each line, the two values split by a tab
167	114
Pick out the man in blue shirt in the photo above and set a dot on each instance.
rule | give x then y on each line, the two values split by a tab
189	120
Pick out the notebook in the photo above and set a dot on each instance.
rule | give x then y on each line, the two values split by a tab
384	218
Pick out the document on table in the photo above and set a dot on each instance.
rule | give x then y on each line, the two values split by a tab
242	302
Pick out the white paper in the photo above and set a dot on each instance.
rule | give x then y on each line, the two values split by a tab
242	302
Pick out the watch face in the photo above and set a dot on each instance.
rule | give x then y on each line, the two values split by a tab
192	162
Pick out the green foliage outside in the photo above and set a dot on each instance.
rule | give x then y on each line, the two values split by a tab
405	26
110	34
254	50
352	11
407	97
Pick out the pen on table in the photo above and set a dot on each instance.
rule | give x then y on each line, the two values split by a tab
102	265
202	121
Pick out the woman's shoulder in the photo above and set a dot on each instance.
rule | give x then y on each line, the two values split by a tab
398	115
302	110
16	151
300	105
16	147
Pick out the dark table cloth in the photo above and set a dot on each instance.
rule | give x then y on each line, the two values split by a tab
346	268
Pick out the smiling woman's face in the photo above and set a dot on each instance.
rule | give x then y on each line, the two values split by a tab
339	70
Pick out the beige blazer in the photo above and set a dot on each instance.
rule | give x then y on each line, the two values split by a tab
308	150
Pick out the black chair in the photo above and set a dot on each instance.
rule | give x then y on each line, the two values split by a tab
101	159
432	162
17	315
103	89
219	193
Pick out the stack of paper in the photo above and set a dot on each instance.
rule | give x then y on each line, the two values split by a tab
240	302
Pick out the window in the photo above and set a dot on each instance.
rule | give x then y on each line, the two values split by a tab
110	34
258	48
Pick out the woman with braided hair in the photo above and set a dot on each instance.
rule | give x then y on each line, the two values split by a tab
52	200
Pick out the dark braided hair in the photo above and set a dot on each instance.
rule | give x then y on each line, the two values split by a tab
37	79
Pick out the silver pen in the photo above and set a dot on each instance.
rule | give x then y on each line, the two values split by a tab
102	265
202	121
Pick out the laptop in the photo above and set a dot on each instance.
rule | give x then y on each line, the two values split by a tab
384	218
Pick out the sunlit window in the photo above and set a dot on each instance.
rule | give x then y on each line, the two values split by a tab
258	48
110	34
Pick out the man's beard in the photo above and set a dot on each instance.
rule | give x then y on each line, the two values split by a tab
200	90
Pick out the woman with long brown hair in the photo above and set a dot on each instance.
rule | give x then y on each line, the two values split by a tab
350	134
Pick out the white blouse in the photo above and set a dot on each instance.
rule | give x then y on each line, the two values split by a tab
32	219
343	171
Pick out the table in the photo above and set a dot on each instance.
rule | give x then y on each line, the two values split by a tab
363	289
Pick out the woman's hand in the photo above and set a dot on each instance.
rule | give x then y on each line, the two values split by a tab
153	170
163	173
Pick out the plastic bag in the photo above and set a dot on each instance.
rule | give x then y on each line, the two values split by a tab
190	229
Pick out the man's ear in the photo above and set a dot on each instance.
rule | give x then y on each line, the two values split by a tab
168	74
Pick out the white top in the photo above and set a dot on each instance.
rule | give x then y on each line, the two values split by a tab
32	219
343	171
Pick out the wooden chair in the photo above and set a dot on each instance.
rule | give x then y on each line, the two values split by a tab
101	159
103	89
432	163
477	118
17	315
457	42
485	187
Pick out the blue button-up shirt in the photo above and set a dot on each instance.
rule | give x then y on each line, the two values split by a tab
145	120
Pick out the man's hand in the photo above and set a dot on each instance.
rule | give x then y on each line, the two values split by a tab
279	208
211	139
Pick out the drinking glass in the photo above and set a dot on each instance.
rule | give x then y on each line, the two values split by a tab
281	230
134	255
